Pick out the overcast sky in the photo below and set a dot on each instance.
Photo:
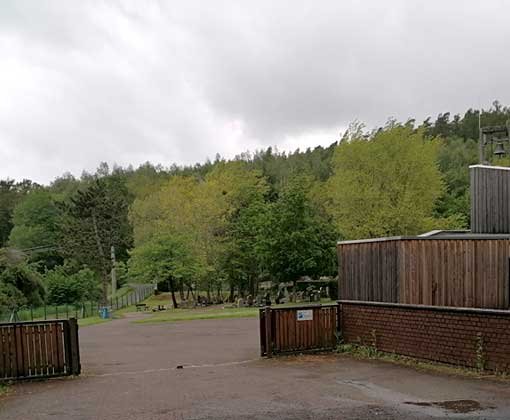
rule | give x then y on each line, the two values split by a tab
126	82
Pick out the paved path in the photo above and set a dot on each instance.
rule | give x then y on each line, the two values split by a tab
130	372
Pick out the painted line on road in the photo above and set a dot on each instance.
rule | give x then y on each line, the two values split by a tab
169	369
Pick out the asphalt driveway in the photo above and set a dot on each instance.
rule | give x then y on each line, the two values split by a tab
210	369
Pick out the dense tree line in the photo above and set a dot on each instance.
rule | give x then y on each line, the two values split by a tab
228	225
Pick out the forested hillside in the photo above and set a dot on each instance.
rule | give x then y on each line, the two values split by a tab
227	225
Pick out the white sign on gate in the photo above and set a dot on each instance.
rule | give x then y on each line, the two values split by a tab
305	315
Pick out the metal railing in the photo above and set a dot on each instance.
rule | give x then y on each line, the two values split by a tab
77	310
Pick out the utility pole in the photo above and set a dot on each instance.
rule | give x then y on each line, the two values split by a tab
114	276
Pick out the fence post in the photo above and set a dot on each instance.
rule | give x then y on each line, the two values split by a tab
71	346
262	330
74	347
269	343
338	320
56	311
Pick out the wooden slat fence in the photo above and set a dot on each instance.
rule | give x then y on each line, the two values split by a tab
281	330
463	272
39	349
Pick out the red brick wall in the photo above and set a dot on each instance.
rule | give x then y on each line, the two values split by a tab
460	336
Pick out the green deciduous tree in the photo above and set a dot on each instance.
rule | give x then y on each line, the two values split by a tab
35	220
300	237
385	185
200	212
66	285
454	158
164	258
11	193
20	284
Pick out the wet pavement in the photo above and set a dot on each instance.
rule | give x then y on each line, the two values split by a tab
210	369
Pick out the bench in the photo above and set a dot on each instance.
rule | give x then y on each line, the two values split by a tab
141	307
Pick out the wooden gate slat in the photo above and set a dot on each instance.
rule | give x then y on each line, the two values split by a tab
291	316
19	351
12	352
26	360
6	352
31	349
2	354
60	348
36	349
44	349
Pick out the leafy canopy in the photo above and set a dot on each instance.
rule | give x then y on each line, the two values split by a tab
385	185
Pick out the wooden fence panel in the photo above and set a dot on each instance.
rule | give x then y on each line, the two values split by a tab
281	331
39	349
463	271
368	271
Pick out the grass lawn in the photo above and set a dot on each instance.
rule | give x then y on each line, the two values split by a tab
211	312
185	314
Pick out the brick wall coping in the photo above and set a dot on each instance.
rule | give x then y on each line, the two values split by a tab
474	311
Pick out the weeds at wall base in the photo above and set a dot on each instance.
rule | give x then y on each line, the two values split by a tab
4	389
363	352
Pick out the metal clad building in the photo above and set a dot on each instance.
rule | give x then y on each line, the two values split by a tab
490	199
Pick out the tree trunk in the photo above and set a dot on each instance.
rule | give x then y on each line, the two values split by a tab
251	286
190	291
231	296
181	290
104	289
172	291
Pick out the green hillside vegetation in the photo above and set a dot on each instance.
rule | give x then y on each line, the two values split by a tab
227	225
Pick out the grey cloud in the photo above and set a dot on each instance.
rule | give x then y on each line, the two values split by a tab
127	81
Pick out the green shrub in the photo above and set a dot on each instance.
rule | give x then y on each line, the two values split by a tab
20	284
65	287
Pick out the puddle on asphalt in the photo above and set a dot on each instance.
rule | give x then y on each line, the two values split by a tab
455	406
373	391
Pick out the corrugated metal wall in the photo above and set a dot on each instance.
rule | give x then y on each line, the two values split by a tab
490	199
444	272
